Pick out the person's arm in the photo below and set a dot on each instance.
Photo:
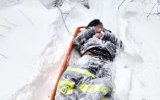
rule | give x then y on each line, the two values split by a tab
83	37
109	36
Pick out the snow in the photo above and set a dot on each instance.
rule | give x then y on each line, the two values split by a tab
33	41
24	38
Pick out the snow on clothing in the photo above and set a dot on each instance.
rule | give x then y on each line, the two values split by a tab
91	77
106	47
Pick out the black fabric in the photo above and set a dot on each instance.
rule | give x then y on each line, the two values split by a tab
101	52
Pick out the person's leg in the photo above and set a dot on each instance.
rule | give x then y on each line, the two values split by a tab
66	87
99	88
71	78
95	89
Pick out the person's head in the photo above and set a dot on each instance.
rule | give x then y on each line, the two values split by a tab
97	24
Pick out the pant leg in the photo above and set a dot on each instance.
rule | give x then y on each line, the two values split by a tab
99	88
66	86
73	76
95	89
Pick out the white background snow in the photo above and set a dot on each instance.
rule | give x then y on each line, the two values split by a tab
33	42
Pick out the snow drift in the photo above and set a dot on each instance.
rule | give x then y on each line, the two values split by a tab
34	40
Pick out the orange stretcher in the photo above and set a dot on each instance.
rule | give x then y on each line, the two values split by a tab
66	61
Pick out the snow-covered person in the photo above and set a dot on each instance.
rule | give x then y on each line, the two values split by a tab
97	40
91	77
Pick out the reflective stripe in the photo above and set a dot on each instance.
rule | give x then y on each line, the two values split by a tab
104	99
93	88
69	83
82	71
66	90
65	87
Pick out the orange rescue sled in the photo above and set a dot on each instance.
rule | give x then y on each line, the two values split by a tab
67	60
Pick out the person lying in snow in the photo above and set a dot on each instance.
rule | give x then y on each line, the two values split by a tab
91	77
98	41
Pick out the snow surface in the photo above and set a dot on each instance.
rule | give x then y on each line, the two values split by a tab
33	41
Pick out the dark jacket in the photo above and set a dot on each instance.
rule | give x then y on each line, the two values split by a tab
106	47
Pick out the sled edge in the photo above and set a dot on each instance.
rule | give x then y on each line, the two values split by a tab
65	62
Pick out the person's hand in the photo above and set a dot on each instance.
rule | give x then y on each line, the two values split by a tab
98	35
